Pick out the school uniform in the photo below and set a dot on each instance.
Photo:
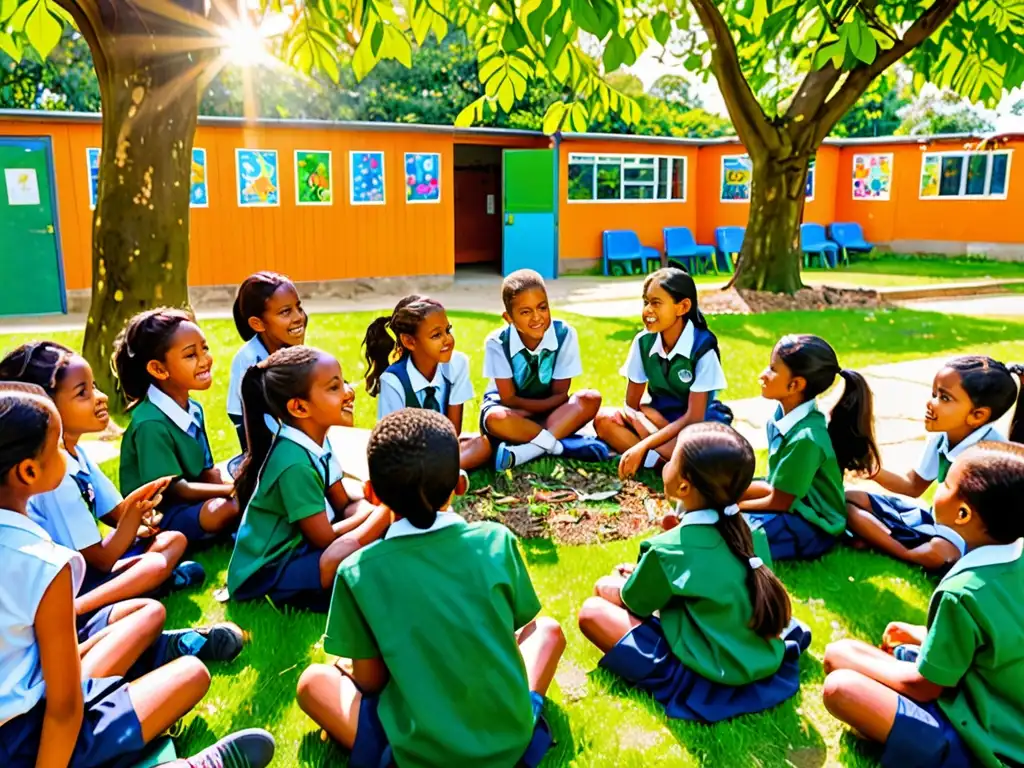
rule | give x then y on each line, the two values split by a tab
248	355
975	650
458	589
700	659
165	440
271	556
29	562
403	386
909	521
692	365
802	462
532	371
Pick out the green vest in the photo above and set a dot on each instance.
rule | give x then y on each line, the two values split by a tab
533	373
672	378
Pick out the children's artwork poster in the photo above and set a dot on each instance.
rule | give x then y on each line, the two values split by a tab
199	190
366	178
258	179
809	191
313	177
92	158
22	186
872	177
736	176
931	175
422	177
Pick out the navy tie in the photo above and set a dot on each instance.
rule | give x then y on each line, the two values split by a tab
199	436
430	399
86	489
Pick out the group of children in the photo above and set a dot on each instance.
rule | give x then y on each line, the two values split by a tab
700	621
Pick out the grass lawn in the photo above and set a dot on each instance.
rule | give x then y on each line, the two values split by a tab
597	720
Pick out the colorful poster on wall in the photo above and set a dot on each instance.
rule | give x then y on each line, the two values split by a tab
872	177
313	177
258	179
22	186
422	177
736	175
809	191
931	175
199	190
92	159
366	178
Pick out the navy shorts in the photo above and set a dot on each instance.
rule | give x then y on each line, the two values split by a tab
91	623
491	401
923	737
111	731
644	659
372	750
790	537
292	581
184	518
910	523
673	410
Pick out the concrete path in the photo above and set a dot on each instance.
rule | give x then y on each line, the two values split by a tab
982	306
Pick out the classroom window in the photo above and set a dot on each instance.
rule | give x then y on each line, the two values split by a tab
965	174
628	178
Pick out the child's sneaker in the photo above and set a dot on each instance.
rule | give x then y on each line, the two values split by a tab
503	458
252	748
187	574
906	652
219	642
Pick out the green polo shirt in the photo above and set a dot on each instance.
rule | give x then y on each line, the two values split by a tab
804	465
440	608
153	446
699	586
290	489
975	649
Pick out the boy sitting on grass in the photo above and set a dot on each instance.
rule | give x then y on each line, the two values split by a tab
449	665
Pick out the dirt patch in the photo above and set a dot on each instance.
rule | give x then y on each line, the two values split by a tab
571	506
735	302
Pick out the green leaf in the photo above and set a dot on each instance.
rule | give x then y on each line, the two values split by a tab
662	27
832	51
9	46
555	49
693	62
860	39
506	96
43	29
363	59
616	51
376	38
553	117
578	118
470	114
584	14
7	7
557	21
536	18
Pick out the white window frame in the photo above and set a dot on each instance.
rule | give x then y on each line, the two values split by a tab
966	155
594	159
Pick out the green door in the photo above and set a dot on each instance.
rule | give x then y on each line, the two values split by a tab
530	231
28	230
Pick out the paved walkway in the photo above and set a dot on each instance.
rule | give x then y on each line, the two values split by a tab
981	306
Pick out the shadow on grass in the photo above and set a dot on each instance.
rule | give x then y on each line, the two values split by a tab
540	551
318	749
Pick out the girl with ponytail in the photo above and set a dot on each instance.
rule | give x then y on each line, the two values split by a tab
723	643
800	505
675	361
299	522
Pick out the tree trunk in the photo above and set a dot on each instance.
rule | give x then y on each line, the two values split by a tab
141	224
771	256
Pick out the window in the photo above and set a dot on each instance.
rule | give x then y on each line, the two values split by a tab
629	178
964	174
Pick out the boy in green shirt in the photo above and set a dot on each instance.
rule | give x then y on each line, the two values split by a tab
961	702
448	664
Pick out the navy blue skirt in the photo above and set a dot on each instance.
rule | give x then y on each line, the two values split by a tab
911	523
292	581
644	659
673	410
790	537
923	737
111	733
184	518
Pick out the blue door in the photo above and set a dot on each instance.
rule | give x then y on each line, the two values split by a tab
530	232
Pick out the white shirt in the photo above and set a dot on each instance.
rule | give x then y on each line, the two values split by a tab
928	467
29	562
392	394
404	528
181	418
64	513
708	375
568	364
246	357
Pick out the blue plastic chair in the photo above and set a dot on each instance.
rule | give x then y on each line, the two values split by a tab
850	238
729	241
814	243
681	248
624	245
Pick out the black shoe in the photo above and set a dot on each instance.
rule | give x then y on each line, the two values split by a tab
252	748
219	642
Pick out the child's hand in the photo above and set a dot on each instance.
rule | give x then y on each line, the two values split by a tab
630	462
142	500
625	570
898	633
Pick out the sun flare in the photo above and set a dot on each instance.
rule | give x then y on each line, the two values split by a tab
245	45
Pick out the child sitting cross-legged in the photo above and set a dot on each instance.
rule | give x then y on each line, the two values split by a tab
951	694
701	622
449	663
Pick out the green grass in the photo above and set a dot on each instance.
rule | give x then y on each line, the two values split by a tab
597	720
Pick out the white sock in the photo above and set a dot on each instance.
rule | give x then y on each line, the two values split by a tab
548	442
651	460
525	452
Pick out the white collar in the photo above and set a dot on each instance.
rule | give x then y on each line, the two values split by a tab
785	423
683	345
515	342
404	528
700	517
303	440
11	519
181	418
419	381
978	435
994	554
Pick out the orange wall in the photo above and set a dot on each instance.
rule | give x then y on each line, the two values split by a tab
905	216
581	222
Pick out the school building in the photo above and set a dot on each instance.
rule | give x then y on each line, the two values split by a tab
346	201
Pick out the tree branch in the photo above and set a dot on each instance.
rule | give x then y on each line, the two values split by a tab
862	76
87	18
812	92
752	126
